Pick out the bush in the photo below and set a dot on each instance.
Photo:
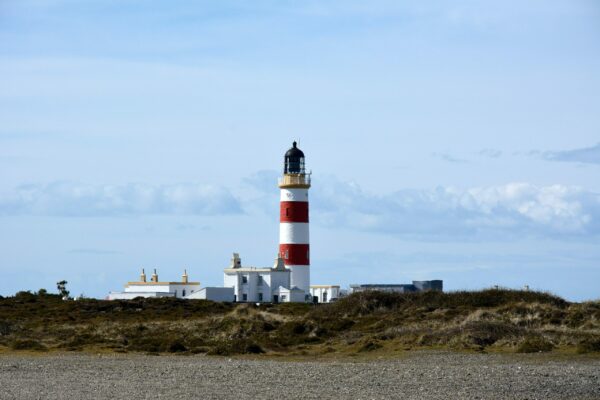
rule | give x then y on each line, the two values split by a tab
377	302
486	333
6	328
27	344
235	346
534	344
370	345
358	304
475	334
253	348
177	347
591	345
26	296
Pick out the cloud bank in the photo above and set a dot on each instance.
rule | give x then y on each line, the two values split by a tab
510	211
83	200
586	155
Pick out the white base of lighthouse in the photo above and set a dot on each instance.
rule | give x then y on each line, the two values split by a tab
300	277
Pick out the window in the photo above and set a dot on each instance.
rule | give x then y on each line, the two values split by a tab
183	293
287	254
283	297
245	297
260	297
244	279
176	293
324	297
260	280
287	212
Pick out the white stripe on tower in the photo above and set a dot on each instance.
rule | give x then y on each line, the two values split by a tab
294	195
293	233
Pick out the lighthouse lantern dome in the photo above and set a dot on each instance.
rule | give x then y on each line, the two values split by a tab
294	161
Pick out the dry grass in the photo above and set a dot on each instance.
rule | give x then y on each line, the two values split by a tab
369	322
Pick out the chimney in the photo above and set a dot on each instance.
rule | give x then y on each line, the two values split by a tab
143	276
236	261
154	276
279	263
184	277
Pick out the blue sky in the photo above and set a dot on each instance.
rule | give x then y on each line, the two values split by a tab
456	141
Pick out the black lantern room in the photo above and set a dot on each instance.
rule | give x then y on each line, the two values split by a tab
293	161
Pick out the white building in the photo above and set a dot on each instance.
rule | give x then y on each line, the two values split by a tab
325	293
257	285
154	288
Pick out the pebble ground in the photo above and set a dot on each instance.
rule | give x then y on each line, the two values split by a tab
416	376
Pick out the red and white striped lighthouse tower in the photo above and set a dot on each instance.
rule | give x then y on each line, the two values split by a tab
293	218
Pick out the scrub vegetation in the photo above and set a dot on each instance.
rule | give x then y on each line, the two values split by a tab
364	323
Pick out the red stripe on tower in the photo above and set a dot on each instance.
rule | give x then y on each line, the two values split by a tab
293	211
295	254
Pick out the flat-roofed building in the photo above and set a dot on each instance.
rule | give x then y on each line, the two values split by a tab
416	286
324	293
155	288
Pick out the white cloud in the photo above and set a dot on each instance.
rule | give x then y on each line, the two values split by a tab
512	210
84	200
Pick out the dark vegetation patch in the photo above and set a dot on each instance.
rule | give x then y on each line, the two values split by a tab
534	344
520	321
589	345
6	328
370	345
27	344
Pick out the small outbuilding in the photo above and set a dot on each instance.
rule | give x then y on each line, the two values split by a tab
324	293
155	288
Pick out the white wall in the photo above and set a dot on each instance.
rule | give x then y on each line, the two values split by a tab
213	293
271	281
233	280
290	296
147	288
297	296
133	295
177	288
300	276
332	293
279	278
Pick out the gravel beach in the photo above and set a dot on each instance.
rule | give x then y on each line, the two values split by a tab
416	376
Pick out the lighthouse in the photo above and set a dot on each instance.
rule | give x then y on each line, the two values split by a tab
293	218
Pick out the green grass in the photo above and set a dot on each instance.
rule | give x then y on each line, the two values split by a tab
368	322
